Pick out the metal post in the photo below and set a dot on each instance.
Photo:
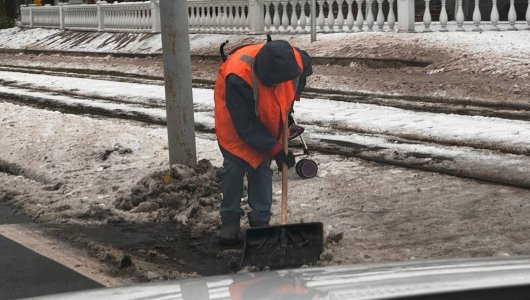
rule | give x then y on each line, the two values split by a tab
314	20
177	78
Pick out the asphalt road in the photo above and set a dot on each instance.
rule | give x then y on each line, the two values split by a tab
24	273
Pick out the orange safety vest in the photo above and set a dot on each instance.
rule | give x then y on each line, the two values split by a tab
272	103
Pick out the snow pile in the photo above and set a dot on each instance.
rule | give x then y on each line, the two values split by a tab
188	196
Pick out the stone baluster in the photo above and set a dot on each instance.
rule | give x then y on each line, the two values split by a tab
391	19
427	17
380	16
191	17
512	15
226	18
268	20
197	17
206	17
476	17
246	19
214	18
302	22
494	16
120	19
340	16
276	19
320	18
349	17
217	17
128	16
229	18
127	19
443	17
459	16
61	15
330	19
125	15
211	17
230	24
294	18
285	17
241	18
224	14
360	20
234	19
200	17
369	15
142	16
136	19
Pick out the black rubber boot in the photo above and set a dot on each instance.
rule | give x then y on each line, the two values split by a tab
229	234
255	224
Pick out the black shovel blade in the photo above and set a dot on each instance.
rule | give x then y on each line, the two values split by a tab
283	246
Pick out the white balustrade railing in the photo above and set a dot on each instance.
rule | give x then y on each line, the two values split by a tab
218	16
47	16
134	16
286	16
78	16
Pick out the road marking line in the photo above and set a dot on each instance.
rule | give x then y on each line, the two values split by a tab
29	236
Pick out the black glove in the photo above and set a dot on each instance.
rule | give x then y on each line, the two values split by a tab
282	158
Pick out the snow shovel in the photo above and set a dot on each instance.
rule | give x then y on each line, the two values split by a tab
284	245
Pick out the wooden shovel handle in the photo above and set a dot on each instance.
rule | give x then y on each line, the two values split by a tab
283	212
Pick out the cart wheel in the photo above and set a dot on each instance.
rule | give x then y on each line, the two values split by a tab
297	167
306	168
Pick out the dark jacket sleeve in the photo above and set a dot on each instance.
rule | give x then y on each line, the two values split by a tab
240	104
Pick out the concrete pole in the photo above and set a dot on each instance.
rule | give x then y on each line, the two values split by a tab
406	16
177	77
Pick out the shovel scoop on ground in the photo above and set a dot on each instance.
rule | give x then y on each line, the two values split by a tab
284	245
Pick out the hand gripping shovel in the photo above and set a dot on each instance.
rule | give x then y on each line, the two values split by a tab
284	245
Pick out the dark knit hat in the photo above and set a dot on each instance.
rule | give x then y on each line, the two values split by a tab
275	63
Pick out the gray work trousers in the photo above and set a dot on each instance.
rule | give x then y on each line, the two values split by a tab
259	191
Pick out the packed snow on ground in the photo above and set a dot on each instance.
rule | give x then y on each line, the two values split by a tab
507	134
